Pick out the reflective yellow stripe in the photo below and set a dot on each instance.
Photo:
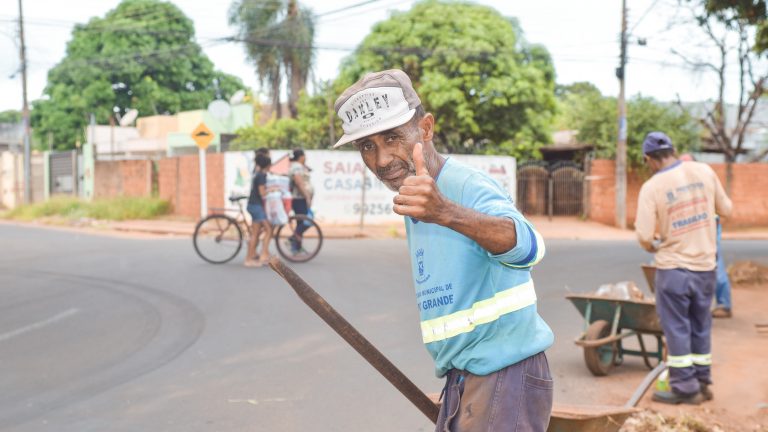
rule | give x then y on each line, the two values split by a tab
679	361
540	251
482	312
702	359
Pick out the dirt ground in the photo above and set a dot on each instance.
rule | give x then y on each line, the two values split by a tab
740	375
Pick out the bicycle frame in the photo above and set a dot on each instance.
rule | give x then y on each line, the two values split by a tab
239	216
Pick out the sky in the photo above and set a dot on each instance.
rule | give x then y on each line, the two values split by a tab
582	37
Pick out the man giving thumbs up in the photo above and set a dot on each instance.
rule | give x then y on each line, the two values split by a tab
471	255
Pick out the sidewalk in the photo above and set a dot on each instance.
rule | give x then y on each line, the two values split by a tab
187	228
557	228
560	228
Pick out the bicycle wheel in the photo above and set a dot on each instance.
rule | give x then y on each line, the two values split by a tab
217	239
299	240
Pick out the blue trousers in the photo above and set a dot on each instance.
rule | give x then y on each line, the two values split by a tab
723	288
683	301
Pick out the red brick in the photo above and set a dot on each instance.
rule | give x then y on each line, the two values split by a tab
179	182
123	178
749	193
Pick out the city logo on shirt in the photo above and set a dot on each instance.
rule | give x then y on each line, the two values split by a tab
421	278
670	197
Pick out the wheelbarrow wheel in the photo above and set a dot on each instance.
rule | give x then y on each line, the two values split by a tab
601	359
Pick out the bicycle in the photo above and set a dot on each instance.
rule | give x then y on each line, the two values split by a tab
219	237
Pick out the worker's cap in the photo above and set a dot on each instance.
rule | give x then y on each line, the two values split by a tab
379	101
655	141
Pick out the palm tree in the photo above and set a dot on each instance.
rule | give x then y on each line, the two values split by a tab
278	36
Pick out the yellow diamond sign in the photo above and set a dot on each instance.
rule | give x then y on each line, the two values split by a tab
202	136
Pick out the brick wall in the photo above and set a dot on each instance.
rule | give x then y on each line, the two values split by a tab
749	193
179	183
123	178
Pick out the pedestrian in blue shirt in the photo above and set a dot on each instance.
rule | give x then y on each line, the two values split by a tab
471	253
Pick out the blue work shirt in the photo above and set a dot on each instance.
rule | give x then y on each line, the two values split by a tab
477	310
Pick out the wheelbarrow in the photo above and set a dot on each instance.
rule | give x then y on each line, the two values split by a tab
649	271
607	321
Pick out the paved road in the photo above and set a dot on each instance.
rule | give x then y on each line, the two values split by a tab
99	333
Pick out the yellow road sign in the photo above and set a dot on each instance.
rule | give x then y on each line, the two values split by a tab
202	136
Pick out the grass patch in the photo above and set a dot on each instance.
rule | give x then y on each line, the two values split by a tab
106	209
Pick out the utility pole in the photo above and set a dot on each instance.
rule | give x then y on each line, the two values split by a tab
621	144
25	112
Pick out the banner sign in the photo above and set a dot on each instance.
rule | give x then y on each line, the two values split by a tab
338	178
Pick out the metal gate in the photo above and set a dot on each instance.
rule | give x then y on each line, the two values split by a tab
567	181
556	189
532	187
63	166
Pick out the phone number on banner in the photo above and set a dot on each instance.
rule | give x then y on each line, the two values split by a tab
373	209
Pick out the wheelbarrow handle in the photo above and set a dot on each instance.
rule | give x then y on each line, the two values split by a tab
643	387
369	352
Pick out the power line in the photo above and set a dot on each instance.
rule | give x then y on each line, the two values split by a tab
356	5
358	13
115	60
643	15
143	28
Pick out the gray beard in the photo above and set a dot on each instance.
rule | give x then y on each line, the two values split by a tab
410	170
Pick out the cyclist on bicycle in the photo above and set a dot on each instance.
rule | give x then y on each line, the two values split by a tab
258	215
302	192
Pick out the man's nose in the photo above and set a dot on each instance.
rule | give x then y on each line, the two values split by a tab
383	157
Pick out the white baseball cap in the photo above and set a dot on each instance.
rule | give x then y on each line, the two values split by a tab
379	101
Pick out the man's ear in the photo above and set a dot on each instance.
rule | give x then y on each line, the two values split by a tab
427	127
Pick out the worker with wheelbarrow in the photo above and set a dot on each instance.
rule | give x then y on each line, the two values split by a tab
676	220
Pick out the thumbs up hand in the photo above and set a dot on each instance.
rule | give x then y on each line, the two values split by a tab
418	160
419	196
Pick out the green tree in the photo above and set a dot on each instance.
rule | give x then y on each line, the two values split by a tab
10	116
583	108
278	39
490	91
141	55
752	12
309	130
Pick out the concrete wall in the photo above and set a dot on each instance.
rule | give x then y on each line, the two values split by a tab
11	179
157	127
749	193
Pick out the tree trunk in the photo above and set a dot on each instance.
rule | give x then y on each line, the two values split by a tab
276	94
297	85
293	65
276	108
728	174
